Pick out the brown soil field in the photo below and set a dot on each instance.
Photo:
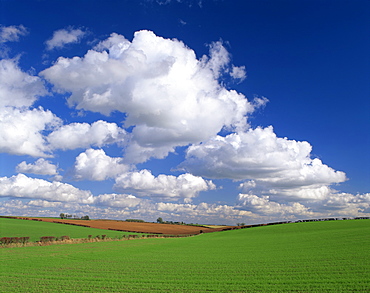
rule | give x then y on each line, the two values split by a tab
150	228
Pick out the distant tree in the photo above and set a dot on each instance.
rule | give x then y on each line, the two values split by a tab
85	217
160	220
62	215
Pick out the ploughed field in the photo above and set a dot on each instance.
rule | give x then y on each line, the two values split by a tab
328	256
138	227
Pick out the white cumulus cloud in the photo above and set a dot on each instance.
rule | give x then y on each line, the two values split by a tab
96	165
163	89
22	131
278	164
41	167
144	183
18	88
84	135
64	36
25	187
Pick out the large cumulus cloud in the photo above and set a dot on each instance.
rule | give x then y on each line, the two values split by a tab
164	90
278	165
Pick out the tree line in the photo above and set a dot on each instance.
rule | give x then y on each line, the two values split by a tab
67	216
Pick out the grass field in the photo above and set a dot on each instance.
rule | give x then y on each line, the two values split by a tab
298	257
35	230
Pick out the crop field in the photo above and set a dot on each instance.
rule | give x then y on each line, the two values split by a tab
37	229
138	227
328	256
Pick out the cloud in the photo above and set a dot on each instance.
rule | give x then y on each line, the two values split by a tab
84	135
25	187
41	167
117	200
280	165
96	165
202	209
263	205
63	37
144	184
160	85
12	33
238	72
45	204
22	128
22	131
18	88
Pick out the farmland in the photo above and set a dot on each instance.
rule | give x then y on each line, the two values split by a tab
138	227
37	229
298	257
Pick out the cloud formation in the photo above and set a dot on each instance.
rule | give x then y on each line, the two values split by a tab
63	37
163	89
97	166
22	131
18	88
144	183
21	127
12	33
84	135
117	200
25	187
280	166
263	205
41	167
165	98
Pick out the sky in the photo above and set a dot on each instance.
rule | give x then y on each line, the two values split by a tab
202	111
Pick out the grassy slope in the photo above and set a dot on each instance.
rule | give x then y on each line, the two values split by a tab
35	230
301	257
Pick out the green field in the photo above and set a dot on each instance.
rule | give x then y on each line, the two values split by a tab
36	229
299	257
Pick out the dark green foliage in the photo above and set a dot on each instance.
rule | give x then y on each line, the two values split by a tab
135	220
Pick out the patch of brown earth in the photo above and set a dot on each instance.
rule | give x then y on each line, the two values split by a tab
150	228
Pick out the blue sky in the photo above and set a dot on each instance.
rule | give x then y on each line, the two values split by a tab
197	111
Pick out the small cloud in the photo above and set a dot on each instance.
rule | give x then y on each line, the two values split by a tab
41	167
182	22
12	33
63	37
238	72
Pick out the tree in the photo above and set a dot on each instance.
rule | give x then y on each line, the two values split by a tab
160	220
62	215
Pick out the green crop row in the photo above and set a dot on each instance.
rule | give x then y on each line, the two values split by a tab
297	257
